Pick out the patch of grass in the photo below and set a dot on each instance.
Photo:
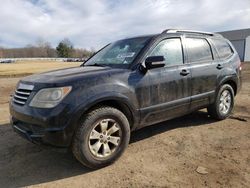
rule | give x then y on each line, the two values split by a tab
21	68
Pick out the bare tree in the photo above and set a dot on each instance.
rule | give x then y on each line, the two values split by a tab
1	52
43	48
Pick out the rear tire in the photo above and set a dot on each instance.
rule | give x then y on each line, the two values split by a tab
224	103
101	138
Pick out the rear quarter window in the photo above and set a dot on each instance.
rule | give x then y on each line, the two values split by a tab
223	48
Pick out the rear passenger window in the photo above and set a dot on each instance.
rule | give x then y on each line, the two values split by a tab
198	50
171	49
223	48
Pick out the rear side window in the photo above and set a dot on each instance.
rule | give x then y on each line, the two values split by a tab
223	48
171	49
198	50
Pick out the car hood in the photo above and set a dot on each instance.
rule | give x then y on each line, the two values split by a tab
68	74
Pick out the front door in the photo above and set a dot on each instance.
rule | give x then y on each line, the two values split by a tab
169	93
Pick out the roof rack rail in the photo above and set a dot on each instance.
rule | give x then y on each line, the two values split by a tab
191	32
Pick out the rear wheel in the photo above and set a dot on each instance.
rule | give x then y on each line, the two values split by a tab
224	103
101	138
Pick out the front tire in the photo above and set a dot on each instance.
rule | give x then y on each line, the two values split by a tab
224	103
101	138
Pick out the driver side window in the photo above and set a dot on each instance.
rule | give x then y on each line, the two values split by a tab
171	49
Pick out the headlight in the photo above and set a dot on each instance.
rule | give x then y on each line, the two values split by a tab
49	97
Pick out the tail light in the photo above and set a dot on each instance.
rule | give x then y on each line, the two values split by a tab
240	68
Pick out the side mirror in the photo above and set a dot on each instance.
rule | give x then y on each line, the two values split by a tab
152	62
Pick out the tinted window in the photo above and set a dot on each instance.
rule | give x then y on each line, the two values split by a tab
223	48
171	50
198	50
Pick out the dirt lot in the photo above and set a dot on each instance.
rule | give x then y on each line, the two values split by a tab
162	155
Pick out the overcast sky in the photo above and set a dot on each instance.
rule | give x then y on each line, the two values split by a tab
93	23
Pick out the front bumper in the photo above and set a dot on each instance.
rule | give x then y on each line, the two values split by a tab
27	134
38	135
42	126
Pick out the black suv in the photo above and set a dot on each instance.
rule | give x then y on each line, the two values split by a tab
127	85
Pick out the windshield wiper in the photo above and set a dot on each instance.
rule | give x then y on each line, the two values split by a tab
97	65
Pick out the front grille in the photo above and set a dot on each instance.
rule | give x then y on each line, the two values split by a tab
22	94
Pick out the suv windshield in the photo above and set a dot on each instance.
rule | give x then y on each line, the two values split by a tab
120	53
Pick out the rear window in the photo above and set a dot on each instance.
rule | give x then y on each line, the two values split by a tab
223	48
198	50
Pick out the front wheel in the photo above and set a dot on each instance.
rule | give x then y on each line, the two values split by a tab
101	138
224	103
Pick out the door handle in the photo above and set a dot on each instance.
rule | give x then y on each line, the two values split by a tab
219	66
184	72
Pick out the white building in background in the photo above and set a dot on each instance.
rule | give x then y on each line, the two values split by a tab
241	41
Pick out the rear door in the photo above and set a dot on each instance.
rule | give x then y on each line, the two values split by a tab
203	75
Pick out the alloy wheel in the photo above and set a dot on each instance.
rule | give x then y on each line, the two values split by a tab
225	102
105	138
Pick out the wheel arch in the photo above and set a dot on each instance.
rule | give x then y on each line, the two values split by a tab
117	101
230	80
233	85
119	104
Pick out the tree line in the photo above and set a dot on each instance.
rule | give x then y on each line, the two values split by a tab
64	49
